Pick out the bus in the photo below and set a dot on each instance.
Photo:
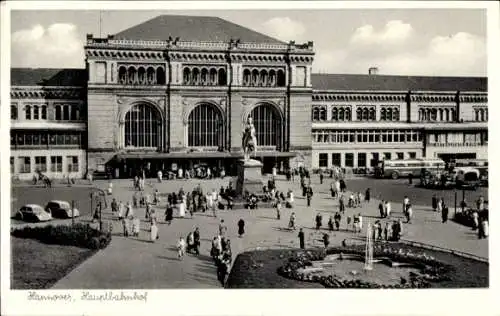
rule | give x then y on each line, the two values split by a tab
403	168
480	164
466	177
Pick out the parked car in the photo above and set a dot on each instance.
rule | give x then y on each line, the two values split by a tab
33	213
61	209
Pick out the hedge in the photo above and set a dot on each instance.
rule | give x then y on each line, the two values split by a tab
79	235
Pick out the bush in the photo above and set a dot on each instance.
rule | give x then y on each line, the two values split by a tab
79	235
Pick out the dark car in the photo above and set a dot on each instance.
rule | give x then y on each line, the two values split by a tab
61	209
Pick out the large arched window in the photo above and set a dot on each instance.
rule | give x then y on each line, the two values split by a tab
143	127
205	126
267	124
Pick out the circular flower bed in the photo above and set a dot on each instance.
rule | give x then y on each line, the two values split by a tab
431	270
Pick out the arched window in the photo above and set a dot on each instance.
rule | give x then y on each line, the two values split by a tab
395	114
36	113
44	112
315	114
371	116
447	114
74	113
453	115
335	114
322	114
196	77
58	113
141	73
246	77
281	81
477	114
359	114
255	78
389	114
347	112
122	75
13	112
186	76
204	76
132	75
263	78
267	125
27	112
160	76
222	77
272	78
383	115
441	115
143	127
365	114
341	114
150	74
486	114
205	126
213	77
66	111
482	115
434	115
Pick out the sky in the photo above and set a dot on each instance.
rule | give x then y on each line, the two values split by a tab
432	42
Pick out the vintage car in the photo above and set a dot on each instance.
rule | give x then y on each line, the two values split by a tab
61	209
33	213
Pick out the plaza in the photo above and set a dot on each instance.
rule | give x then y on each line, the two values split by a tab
137	263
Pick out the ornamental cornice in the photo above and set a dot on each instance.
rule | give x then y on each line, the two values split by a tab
47	93
360	97
244	58
476	98
125	54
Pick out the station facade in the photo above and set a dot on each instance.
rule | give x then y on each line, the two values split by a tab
176	91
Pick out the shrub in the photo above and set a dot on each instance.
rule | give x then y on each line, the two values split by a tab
79	235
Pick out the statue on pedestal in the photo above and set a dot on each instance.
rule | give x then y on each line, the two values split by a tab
249	141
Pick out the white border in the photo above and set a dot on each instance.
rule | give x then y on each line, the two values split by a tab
258	302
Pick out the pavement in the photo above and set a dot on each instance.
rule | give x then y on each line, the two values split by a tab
140	264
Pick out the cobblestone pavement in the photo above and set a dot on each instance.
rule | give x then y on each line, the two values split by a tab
138	263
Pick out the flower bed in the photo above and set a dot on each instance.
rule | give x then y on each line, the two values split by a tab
79	235
431	269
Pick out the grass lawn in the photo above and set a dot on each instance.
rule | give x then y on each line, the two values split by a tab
258	269
38	266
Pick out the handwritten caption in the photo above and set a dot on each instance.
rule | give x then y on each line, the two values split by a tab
108	296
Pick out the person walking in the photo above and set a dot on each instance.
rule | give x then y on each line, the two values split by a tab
332	189
439	206
326	240
444	214
406	201
154	228
309	194
169	213
321	176
337	219
408	213
222	228
278	210
181	248
387	208
330	223
434	203
291	224
341	204
301	239
241	227
381	209
197	241
360	222
319	219
475	220
367	195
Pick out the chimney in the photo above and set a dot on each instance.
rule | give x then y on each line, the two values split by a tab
373	71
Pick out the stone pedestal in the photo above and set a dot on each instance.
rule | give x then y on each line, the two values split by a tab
249	177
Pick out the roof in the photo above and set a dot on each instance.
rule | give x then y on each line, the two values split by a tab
48	77
358	82
193	28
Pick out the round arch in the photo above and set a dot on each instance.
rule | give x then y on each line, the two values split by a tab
142	125
268	122
204	125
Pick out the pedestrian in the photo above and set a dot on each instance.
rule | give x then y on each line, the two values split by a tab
360	222
439	207
359	199
348	221
387	208
326	240
114	206
169	213
475	220
434	203
387	231
367	195
291	224
343	186
321	177
309	194
408	213
410	178
319	218
301	239
406	201
154	228
355	224
181	248
278	210
332	189
381	209
480	203
241	227
485	228
197	239
444	214
330	223
160	176
148	211
222	228
121	208
337	219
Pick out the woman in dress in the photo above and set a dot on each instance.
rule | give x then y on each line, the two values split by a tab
182	208
169	213
154	228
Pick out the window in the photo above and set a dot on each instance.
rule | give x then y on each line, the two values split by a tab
205	126
401	156
315	114
13	112
387	156
74	113
349	160
36	113
12	165
323	160
374	161
25	164
267	123
44	112
336	159
361	160
56	164
412	155
41	163
58	113
27	112
66	109
72	163
143	127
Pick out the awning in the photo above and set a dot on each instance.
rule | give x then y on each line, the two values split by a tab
199	155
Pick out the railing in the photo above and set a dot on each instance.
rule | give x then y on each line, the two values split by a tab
455	144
